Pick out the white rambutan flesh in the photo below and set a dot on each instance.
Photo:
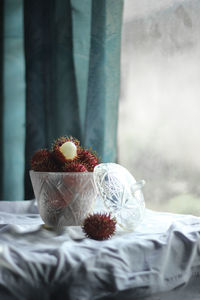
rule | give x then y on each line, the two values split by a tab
69	150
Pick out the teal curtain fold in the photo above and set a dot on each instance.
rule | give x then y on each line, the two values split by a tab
60	68
81	31
51	96
96	53
1	94
12	101
104	79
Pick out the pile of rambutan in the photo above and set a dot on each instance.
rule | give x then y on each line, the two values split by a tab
66	155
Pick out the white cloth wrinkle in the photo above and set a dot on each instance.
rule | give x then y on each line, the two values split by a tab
153	260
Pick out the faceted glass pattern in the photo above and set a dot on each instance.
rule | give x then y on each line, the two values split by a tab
64	199
121	194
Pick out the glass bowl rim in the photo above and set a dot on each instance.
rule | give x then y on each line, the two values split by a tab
62	173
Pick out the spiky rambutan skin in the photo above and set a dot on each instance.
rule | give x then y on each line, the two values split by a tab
56	149
39	156
89	158
99	226
74	167
43	161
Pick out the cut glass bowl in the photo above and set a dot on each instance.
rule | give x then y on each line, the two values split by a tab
121	194
64	199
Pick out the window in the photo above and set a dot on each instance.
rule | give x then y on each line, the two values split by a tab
159	123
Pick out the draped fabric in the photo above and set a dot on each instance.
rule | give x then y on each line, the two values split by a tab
159	260
72	79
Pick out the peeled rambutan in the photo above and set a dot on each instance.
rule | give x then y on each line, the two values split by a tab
88	158
99	226
65	149
74	167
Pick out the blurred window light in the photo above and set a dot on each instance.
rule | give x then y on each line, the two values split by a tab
159	123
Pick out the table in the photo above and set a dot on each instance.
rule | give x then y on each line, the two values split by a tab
159	261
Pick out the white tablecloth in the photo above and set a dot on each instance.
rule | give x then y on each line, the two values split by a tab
160	260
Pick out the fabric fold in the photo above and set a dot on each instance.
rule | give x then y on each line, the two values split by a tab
104	78
151	262
12	101
81	31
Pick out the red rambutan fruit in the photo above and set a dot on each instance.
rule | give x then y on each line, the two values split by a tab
43	161
74	167
39	156
65	149
99	226
88	158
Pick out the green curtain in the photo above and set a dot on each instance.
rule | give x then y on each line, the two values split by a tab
72	79
12	100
